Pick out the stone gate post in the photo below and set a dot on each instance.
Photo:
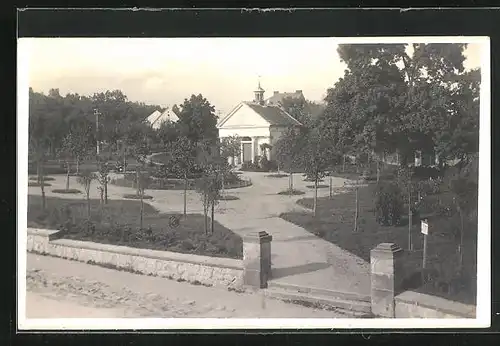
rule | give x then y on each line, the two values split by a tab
257	259
386	278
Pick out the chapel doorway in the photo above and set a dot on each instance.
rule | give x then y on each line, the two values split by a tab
247	152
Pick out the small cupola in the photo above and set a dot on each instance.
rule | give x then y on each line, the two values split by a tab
259	95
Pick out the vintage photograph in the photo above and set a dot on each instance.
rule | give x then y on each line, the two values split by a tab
300	179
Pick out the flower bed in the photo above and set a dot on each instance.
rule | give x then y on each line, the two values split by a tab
291	192
68	191
135	196
37	184
176	184
117	223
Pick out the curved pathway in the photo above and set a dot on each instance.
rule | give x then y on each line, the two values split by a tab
298	257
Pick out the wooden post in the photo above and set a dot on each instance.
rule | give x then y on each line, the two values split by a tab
425	231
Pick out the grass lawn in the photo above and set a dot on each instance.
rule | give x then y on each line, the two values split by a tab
335	223
119	225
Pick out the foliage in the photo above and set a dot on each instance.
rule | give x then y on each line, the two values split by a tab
85	179
181	156
288	149
209	186
53	116
388	203
66	191
197	120
119	225
395	97
230	146
292	192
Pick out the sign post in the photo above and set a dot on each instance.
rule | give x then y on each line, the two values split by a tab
425	232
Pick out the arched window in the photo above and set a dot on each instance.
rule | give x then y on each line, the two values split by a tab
246	139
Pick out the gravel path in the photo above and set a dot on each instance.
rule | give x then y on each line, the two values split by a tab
60	288
300	257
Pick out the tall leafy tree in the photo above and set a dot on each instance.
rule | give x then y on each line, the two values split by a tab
197	119
397	97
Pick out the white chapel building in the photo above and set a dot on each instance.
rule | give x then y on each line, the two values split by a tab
255	123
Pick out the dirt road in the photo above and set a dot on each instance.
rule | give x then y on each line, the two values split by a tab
58	288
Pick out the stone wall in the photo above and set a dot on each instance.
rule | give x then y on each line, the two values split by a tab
411	304
193	268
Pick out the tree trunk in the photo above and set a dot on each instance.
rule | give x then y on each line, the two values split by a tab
77	164
278	168
88	202
410	221
205	212
137	182
185	194
331	187
212	217
42	187
67	175
106	190
343	164
142	208
222	187
38	170
461	246
315	196
378	170
356	211
124	163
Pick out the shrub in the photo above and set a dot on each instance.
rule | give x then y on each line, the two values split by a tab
249	166
35	183
388	204
35	178
291	192
277	175
69	191
228	198
266	165
426	172
136	196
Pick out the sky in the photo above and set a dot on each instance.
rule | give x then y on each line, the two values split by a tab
165	71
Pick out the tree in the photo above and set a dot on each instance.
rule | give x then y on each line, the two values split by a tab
230	147
404	180
65	153
210	184
464	187
85	179
167	133
315	158
288	151
197	120
38	145
142	183
182	160
396	97
103	176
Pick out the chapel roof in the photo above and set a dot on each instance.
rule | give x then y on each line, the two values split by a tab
273	115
